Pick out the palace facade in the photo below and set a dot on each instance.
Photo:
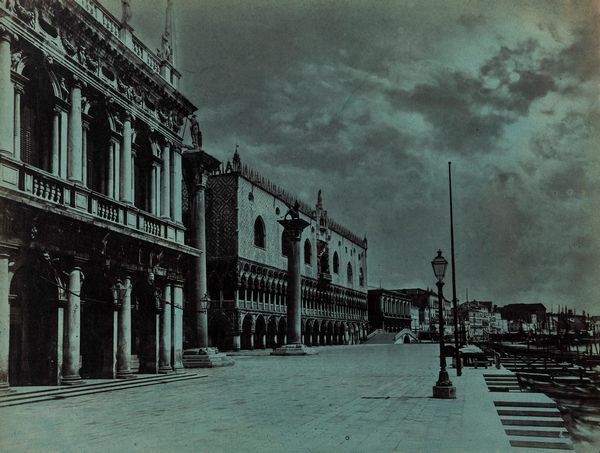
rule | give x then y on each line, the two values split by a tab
247	266
93	254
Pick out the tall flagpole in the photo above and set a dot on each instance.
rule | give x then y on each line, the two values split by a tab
454	300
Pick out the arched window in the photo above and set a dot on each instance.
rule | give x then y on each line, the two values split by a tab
142	171
307	252
259	232
36	118
361	277
98	150
336	263
349	272
284	244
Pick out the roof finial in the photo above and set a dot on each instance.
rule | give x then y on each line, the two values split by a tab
126	6
319	200
167	46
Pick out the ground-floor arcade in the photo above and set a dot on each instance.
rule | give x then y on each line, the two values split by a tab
81	302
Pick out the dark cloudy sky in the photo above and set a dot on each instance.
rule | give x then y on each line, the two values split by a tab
369	100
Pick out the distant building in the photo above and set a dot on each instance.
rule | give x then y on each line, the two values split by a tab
247	266
424	309
389	310
524	317
476	317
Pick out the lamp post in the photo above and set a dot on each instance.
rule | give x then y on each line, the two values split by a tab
443	387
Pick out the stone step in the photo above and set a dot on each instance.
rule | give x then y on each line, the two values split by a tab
541	444
540	432
533	422
15	399
524	404
529	413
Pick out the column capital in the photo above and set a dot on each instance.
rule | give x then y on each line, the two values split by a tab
293	227
76	82
6	34
197	166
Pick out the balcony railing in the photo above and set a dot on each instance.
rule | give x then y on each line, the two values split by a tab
109	22
38	184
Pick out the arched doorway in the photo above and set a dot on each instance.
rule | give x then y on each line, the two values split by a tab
247	342
35	330
282	332
330	333
323	337
260	332
144	323
97	324
271	332
219	330
315	335
308	333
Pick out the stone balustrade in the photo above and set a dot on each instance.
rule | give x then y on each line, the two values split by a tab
33	183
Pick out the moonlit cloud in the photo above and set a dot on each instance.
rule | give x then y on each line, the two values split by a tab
370	100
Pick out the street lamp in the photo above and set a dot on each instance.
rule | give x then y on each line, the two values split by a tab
204	303
443	387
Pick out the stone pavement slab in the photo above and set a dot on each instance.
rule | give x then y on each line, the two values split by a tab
359	398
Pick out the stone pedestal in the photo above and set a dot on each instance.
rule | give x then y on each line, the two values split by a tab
205	358
444	392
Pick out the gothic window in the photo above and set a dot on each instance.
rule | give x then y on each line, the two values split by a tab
307	252
361	277
284	244
336	263
349	273
259	232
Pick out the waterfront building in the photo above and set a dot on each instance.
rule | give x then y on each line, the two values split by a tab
389	310
424	309
476	316
93	252
247	266
524	317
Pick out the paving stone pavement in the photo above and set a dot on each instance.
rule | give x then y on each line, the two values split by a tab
364	398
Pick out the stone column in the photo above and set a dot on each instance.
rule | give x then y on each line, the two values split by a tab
117	170
164	364
124	331
4	320
56	142
177	328
74	145
153	191
17	129
293	228
110	184
166	183
6	94
71	345
126	160
197	167
176	194
84	156
236	341
62	172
